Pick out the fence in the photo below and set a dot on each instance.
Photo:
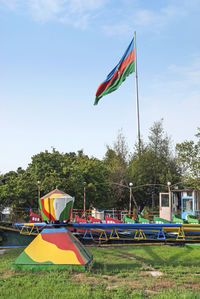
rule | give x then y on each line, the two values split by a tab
100	214
23	215
150	214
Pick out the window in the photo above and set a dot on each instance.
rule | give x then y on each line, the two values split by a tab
187	193
165	200
187	205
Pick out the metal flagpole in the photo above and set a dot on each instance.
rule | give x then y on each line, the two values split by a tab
137	100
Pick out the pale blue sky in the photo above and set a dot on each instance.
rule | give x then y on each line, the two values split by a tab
55	53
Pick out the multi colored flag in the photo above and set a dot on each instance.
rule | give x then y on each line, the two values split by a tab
123	69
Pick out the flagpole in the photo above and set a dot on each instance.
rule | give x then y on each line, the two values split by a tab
137	99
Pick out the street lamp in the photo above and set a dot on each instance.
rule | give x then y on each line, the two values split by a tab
169	186
130	189
38	182
84	197
170	204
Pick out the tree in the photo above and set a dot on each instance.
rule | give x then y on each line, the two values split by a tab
153	166
65	171
94	173
188	157
106	181
116	162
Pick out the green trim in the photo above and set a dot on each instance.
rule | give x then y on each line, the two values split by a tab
24	258
65	213
44	217
142	220
42	267
193	245
192	219
128	220
160	220
177	220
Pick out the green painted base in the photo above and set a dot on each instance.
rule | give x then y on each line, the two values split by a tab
193	245
42	255
35	268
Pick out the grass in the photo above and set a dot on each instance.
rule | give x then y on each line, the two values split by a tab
117	272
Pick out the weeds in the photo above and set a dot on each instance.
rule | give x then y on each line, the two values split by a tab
115	272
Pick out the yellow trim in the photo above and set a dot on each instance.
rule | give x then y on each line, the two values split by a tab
29	229
102	238
48	205
115	236
181	235
139	235
57	195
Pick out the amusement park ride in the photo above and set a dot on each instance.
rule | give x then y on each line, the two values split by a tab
54	246
55	243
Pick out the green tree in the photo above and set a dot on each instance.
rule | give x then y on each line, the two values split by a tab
65	171
153	167
188	157
93	172
116	162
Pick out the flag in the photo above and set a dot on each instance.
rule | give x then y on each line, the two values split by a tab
123	69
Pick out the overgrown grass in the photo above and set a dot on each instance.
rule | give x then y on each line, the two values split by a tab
117	272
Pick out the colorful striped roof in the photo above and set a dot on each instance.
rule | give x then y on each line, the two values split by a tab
56	192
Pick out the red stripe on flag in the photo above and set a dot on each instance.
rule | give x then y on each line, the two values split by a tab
129	59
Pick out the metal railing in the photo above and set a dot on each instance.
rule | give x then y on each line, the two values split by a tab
100	214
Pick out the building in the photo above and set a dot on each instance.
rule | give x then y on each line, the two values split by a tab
179	202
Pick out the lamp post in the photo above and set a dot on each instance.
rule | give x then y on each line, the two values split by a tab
84	197
170	206
169	186
130	189
152	197
38	182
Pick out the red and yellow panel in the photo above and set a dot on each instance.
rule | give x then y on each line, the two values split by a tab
53	247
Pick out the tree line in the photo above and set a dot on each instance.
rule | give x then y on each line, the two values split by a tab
149	168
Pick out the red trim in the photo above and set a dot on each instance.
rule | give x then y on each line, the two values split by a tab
111	220
70	213
34	218
78	219
43	209
94	220
56	191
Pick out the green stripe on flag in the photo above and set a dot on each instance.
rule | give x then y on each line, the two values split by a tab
115	84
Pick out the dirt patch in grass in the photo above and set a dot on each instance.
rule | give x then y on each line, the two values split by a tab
9	273
81	278
133	284
164	283
191	285
150	292
150	284
113	286
120	281
110	281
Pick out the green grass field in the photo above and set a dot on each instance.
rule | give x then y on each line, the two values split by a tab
116	272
